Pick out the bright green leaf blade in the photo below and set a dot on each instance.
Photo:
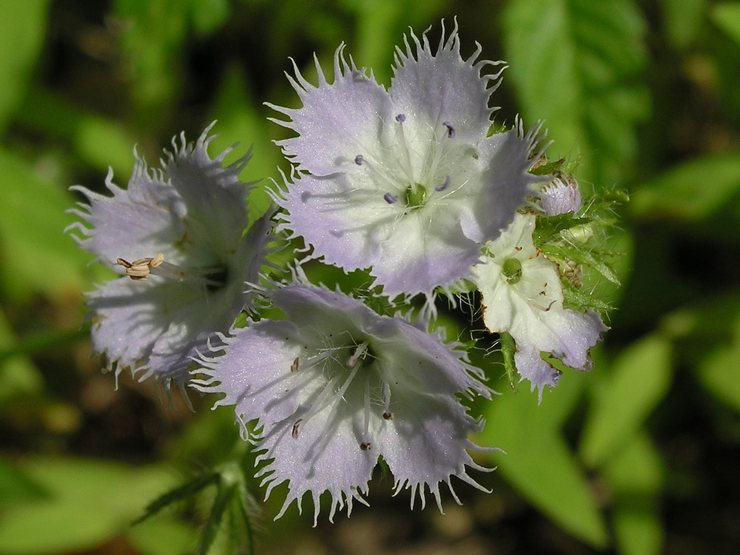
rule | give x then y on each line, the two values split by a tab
577	65
162	536
99	142
683	20
22	31
719	374
16	486
726	16
634	477
215	518
180	493
37	254
18	375
639	379
539	463
691	191
240	120
89	502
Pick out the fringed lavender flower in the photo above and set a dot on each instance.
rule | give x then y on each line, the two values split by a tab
561	196
522	295
334	386
406	181
176	235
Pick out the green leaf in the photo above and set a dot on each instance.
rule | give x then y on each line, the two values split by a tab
692	191
683	19
635	477
639	379
579	65
224	495
179	493
18	375
22	31
719	374
240	120
37	254
98	141
89	501
726	16
537	460
16	486
162	536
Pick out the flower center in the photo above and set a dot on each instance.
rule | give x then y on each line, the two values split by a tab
415	195
512	270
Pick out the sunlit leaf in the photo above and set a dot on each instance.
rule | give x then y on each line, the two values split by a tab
577	65
37	255
162	536
89	501
683	19
719	374
18	375
639	379
538	461
693	190
22	31
634	476
726	15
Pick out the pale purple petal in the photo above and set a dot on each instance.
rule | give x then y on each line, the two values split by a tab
532	367
560	197
336	386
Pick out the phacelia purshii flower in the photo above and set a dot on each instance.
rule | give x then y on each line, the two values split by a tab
405	181
334	386
177	236
523	296
561	196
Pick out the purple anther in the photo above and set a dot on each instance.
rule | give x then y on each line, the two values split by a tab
443	185
400	118
389	198
359	159
450	129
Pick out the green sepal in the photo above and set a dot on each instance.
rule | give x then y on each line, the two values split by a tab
508	350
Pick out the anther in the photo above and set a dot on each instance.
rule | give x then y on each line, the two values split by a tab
387	415
450	129
141	267
359	159
295	364
365	446
296	428
443	185
389	198
400	118
359	353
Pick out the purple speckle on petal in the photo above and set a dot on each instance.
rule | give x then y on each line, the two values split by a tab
450	129
359	159
400	118
443	185
389	198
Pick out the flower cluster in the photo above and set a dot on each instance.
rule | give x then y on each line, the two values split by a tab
413	184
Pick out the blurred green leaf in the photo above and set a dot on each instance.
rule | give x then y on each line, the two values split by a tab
241	120
89	501
682	20
18	375
726	16
22	31
579	65
99	142
635	476
638	381
719	374
38	255
207	15
16	486
693	190
162	536
539	463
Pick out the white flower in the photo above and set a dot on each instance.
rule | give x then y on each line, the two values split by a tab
335	386
404	181
522	295
177	235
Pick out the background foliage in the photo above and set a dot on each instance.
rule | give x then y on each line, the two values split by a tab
639	456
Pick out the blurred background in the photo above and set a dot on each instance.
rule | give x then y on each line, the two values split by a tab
639	456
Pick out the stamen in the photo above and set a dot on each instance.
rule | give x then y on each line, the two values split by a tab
387	415
400	118
295	364
296	428
389	198
450	129
141	267
365	446
359	159
360	352
444	185
213	277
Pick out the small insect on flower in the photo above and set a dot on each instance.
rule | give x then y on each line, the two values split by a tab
192	212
